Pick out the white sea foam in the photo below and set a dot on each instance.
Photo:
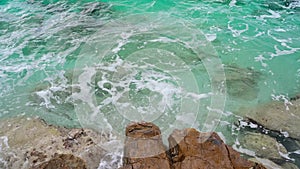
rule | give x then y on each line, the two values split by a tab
240	149
286	156
237	32
163	40
211	37
261	59
283	98
46	95
279	30
3	143
248	124
279	52
150	80
111	160
284	133
196	97
232	3
259	34
294	4
296	152
272	13
287	40
122	41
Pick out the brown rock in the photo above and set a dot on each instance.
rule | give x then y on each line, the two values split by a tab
63	161
191	149
144	148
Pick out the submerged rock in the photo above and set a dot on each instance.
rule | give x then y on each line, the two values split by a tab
242	83
191	149
278	117
263	145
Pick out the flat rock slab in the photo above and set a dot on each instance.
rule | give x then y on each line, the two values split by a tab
277	117
263	145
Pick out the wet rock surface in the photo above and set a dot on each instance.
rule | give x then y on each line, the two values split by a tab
266	145
63	161
189	149
289	166
28	142
273	131
262	145
267	163
278	117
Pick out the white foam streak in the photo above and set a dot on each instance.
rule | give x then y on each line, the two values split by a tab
243	150
122	42
84	84
296	152
3	142
211	37
286	156
46	95
197	97
232	3
273	15
163	40
261	59
111	160
279	52
282	98
236	32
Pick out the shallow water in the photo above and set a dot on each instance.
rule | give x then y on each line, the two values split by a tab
101	64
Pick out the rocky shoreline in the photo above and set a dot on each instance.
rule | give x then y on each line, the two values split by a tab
31	143
271	131
188	149
269	136
27	143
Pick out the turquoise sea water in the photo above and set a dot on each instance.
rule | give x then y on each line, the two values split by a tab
105	63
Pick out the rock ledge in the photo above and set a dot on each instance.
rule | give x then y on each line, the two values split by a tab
188	149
